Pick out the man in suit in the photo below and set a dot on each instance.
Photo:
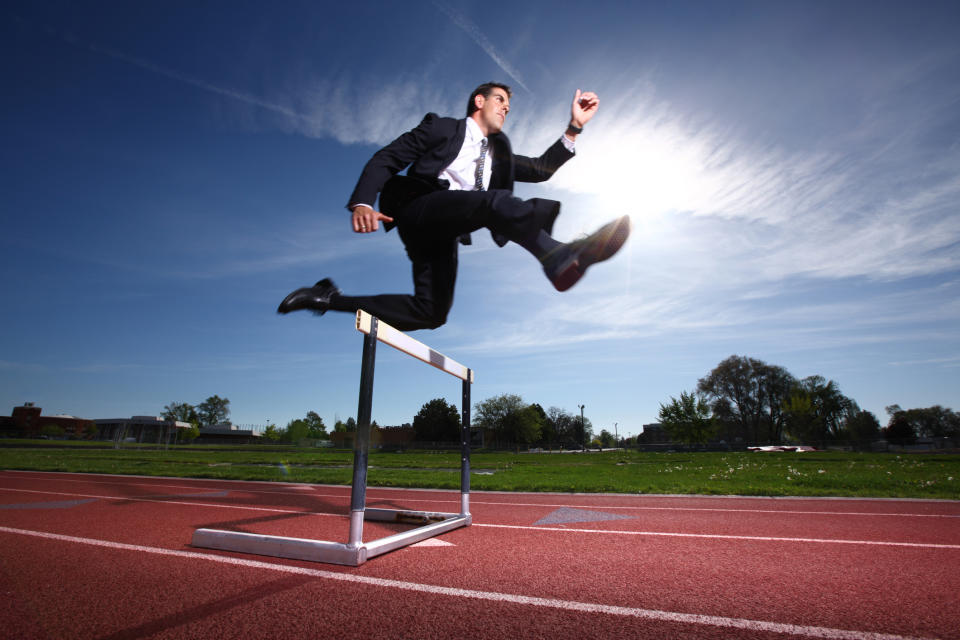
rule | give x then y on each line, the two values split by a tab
460	176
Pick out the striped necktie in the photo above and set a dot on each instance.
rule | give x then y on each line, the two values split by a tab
478	174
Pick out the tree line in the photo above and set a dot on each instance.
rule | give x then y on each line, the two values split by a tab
747	400
742	400
507	417
509	421
212	411
216	410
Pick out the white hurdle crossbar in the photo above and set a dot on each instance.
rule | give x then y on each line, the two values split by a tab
355	552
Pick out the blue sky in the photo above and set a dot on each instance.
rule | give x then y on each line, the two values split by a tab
170	170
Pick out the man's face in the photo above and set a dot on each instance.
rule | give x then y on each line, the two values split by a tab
492	110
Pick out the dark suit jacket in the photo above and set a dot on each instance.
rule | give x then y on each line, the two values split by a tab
428	149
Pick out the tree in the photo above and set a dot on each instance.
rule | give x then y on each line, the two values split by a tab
931	422
899	431
315	427
816	411
748	395
191	434
606	439
494	413
180	412
548	428
584	428
271	433
296	431
437	421
862	428
524	426
688	419
52	431
561	424
213	410
801	419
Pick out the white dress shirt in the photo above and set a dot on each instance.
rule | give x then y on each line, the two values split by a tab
461	173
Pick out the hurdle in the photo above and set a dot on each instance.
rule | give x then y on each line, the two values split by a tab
355	551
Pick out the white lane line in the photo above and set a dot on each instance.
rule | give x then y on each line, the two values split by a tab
774	511
713	536
178	502
552	603
474	500
718	536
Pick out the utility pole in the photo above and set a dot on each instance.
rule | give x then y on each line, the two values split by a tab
583	429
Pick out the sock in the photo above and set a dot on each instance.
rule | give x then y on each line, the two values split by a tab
541	245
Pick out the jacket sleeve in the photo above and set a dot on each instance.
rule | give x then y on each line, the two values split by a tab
392	159
540	169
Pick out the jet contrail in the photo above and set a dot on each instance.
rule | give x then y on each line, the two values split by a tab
474	32
175	75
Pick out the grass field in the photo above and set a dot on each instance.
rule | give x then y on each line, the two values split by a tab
758	474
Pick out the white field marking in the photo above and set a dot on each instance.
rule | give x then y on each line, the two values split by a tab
474	501
511	526
177	502
786	511
239	486
433	542
720	536
552	603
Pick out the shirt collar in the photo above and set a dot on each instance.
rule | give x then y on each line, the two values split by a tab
474	134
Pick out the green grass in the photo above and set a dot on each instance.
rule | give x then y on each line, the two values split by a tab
757	474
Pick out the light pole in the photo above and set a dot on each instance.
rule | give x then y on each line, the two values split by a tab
616	435
583	429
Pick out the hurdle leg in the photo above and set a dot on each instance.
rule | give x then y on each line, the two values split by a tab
465	449
361	445
355	552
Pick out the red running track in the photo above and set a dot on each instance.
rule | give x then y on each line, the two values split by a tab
94	556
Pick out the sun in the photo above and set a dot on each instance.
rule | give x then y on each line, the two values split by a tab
646	169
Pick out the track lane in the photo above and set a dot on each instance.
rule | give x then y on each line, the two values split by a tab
857	587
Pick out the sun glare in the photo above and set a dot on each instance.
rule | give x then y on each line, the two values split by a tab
650	168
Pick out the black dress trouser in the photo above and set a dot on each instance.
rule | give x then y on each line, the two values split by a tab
430	227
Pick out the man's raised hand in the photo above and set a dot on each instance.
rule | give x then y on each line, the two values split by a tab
585	105
366	220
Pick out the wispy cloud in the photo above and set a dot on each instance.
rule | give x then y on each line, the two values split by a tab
356	110
173	74
337	107
879	203
472	30
950	361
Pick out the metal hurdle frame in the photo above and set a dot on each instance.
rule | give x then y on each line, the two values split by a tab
355	551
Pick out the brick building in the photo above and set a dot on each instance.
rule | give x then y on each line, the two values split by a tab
27	422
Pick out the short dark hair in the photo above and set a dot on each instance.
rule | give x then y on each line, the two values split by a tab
485	90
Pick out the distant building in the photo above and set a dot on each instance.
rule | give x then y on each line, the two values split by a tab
27	422
392	437
227	433
654	433
140	429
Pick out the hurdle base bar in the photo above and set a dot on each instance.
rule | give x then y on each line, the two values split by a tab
355	552
432	524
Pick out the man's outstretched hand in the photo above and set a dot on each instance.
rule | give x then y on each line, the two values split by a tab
584	107
366	220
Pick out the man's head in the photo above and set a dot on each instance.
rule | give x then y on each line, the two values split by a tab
489	104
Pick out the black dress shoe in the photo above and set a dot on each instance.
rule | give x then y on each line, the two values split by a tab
315	298
570	263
